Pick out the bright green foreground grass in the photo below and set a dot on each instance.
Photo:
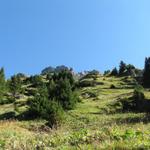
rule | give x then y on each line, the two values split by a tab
87	127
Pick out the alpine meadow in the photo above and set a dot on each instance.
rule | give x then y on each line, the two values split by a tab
61	109
75	75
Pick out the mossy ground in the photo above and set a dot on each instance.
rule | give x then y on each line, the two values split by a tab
86	127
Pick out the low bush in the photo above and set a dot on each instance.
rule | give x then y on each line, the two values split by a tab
137	102
86	83
112	86
53	97
50	110
6	101
89	95
65	95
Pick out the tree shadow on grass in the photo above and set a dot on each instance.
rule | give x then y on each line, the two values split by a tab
7	116
133	120
21	117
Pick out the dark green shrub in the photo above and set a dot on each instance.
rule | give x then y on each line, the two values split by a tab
6	101
112	86
135	103
42	107
51	88
62	87
107	72
62	75
50	110
122	68
86	83
139	98
15	86
31	92
36	81
146	73
114	72
53	113
65	95
53	97
8	115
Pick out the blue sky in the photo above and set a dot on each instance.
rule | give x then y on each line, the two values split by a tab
83	34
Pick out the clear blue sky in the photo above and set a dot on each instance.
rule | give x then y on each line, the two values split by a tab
83	34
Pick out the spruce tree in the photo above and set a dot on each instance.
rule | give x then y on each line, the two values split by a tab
114	72
107	72
42	107
15	86
51	88
2	82
122	68
146	74
65	95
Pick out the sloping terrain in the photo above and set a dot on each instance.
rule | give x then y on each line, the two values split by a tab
91	125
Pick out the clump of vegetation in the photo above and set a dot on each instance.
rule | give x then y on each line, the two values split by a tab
52	95
107	72
6	101
146	74
86	83
36	81
61	87
114	72
2	84
94	74
42	107
89	95
126	70
53	98
15	84
90	79
137	102
112	86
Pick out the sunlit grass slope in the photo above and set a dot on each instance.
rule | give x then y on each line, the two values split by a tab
87	127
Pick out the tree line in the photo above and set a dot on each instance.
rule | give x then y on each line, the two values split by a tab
51	94
131	70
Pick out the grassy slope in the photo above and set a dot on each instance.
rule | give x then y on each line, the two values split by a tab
86	127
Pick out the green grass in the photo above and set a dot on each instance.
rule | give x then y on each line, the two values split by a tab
86	127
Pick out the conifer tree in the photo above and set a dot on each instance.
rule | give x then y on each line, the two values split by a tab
114	72
51	89
43	107
122	68
107	72
2	82
65	95
15	86
146	74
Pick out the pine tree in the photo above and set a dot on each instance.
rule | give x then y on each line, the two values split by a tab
122	68
2	82
42	107
107	72
36	80
15	86
51	89
114	72
65	95
146	74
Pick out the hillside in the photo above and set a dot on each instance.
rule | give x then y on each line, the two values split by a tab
91	125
